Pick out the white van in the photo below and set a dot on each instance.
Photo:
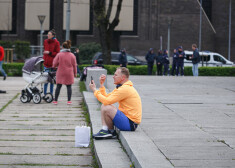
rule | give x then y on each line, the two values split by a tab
209	59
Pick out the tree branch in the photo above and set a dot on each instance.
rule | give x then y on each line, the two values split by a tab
116	19
109	9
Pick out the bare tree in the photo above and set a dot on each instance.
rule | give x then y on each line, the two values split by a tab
105	27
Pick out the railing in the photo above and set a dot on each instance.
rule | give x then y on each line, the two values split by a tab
8	58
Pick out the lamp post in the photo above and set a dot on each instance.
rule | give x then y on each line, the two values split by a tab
170	20
41	19
68	20
229	36
200	27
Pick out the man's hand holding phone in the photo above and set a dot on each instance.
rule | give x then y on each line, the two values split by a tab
92	85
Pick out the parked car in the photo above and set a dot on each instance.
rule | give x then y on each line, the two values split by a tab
98	59
210	59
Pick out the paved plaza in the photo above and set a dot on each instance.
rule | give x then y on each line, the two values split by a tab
40	135
187	122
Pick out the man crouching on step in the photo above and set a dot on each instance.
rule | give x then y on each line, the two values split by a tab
129	113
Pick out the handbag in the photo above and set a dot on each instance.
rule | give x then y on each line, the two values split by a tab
82	136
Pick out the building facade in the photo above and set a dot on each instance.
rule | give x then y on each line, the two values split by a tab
142	23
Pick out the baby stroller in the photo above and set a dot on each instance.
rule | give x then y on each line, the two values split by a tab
33	74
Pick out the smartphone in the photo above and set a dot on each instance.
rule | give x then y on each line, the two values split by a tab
91	80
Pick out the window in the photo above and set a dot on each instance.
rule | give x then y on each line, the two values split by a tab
205	58
130	58
219	59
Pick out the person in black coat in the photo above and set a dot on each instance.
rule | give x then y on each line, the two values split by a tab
159	62
166	63
181	56
175	63
76	53
123	58
150	57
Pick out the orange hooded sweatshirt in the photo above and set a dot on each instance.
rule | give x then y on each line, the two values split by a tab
127	97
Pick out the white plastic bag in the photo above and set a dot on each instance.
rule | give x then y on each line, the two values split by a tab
82	136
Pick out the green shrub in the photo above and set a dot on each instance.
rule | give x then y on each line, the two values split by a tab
6	44
22	49
15	69
217	71
87	51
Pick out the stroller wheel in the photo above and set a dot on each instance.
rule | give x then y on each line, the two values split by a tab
37	98
24	98
48	98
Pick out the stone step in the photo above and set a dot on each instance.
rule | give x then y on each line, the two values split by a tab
46	160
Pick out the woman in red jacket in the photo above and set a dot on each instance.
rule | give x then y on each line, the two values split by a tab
66	63
1	61
51	48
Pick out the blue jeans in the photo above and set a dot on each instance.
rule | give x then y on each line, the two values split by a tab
78	71
2	70
195	69
46	84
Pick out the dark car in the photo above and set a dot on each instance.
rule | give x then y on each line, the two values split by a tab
97	59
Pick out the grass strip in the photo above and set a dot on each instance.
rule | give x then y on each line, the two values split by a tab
82	88
9	102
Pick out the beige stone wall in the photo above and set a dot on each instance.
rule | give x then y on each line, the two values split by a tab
126	16
79	16
33	8
5	15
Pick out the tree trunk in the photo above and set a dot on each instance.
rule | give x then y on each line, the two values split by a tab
106	28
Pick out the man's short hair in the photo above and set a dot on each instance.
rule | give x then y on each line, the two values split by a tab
194	45
124	71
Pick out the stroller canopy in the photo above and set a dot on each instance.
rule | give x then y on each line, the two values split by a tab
32	64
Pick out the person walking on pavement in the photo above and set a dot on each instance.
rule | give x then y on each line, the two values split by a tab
181	55
159	63
66	65
129	113
175	62
123	58
1	62
76	53
51	48
150	57
166	63
195	59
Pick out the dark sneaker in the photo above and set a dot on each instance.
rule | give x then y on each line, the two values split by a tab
102	134
4	78
114	133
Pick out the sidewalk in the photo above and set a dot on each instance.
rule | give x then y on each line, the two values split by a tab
187	122
40	135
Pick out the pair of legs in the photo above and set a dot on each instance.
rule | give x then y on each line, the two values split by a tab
78	71
69	91
46	84
195	69
166	69
150	68
111	116
159	69
107	115
180	69
2	70
174	68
